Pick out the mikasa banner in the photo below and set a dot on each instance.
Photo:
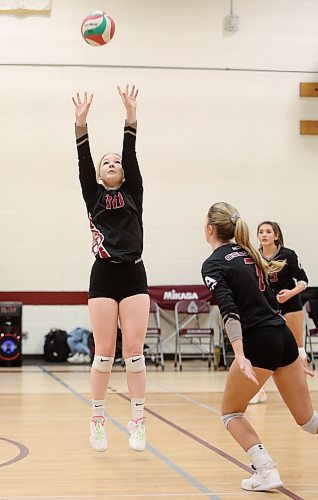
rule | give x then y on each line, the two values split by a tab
25	4
167	296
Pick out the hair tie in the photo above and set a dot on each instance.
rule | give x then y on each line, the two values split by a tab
234	218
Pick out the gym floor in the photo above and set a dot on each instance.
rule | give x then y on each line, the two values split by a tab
45	452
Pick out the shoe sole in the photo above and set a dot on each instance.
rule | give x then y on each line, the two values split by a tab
269	487
136	449
97	449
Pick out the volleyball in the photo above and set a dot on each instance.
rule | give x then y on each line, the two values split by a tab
98	28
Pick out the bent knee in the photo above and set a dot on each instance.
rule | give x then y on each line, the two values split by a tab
312	425
228	417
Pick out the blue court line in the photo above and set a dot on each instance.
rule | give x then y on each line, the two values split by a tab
218	451
187	398
194	482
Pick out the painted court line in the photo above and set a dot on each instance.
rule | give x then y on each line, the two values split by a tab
187	398
23	452
216	450
191	480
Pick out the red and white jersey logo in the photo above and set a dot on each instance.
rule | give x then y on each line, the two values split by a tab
97	245
114	201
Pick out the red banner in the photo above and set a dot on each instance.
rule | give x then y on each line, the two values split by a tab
167	296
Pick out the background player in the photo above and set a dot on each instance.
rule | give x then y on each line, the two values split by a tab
288	283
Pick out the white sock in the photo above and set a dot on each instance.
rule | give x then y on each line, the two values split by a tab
259	456
98	407
137	408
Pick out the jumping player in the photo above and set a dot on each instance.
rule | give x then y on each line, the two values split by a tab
263	345
118	288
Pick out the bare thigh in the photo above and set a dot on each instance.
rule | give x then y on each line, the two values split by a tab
295	322
104	318
292	384
239	390
133	316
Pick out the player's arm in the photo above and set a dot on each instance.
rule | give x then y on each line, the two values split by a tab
298	274
130	165
87	173
223	296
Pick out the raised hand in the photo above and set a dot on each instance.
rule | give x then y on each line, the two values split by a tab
82	108
129	100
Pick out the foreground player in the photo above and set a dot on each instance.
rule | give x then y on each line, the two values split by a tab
118	283
263	345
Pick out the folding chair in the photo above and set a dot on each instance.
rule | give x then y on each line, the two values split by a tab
194	327
311	330
153	336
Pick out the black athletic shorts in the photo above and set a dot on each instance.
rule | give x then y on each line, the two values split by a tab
269	346
117	281
292	305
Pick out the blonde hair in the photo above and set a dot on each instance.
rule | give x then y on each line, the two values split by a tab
229	225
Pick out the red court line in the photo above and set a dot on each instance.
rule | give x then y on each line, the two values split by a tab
216	450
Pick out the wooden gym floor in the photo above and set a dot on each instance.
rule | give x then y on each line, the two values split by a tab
45	453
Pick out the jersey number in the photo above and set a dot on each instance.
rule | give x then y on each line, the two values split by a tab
259	274
273	278
116	201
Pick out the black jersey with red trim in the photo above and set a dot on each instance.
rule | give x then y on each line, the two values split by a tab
240	288
291	272
115	215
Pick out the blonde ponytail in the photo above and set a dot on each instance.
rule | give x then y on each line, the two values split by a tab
230	225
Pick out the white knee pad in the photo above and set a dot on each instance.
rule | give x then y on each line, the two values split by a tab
312	425
226	419
135	364
103	363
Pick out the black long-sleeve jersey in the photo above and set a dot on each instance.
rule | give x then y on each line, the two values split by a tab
291	272
115	215
240	288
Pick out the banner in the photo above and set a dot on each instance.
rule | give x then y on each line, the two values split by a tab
25	4
167	296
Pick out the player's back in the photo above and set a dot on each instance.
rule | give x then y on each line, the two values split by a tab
237	283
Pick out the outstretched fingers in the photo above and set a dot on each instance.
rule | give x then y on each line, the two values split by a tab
247	370
127	95
120	92
133	92
76	100
87	101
